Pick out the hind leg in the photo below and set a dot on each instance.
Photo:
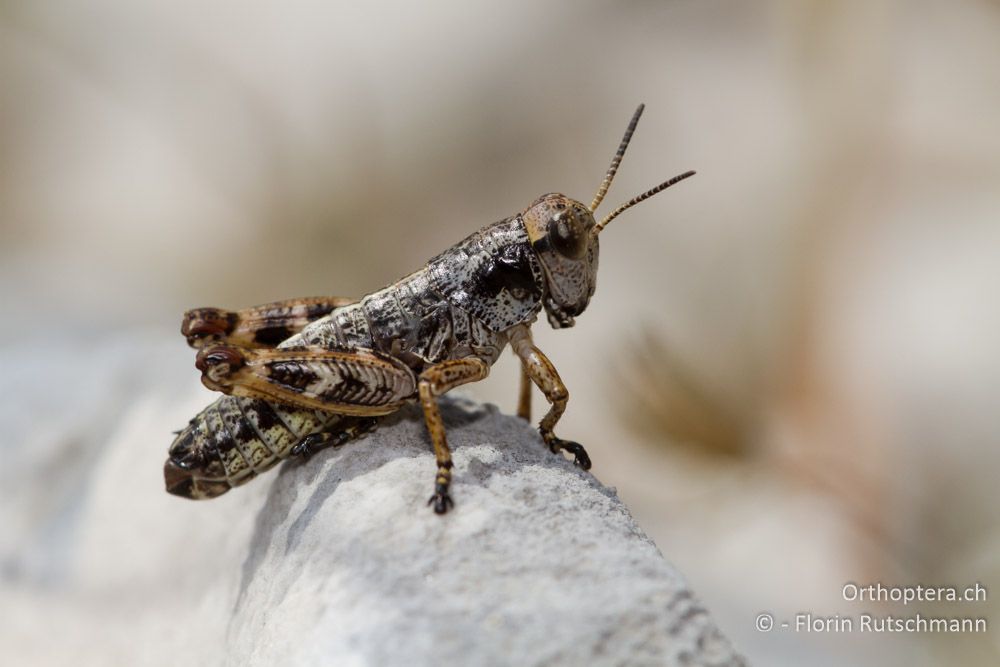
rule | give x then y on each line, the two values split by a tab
260	326
315	442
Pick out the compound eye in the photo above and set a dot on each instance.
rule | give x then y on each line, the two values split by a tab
568	236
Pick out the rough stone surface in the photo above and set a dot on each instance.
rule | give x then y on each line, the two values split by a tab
334	561
537	564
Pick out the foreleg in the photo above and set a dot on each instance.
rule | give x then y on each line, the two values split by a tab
537	366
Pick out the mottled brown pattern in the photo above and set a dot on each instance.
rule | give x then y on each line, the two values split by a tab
261	326
303	373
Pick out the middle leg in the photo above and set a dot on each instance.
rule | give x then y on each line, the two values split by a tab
434	382
524	396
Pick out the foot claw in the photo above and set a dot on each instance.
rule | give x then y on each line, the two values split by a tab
304	448
441	500
580	456
314	442
367	426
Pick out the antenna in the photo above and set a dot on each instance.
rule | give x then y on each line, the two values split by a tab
616	160
635	200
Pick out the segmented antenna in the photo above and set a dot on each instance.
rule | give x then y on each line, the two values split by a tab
616	160
635	200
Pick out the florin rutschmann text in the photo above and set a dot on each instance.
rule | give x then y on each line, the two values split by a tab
807	621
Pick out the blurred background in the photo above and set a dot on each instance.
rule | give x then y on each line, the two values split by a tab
789	370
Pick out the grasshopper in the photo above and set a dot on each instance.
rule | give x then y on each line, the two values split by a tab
305	374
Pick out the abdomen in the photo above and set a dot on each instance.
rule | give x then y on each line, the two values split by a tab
235	439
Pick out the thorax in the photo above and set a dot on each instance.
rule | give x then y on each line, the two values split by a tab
460	304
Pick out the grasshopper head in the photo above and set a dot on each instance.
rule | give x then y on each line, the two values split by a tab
560	232
563	233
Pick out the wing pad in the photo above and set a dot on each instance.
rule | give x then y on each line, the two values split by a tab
358	382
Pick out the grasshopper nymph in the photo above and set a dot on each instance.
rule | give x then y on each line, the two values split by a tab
304	374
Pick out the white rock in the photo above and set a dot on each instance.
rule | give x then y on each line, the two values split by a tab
537	564
333	561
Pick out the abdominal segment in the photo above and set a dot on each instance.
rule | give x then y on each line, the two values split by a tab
235	439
